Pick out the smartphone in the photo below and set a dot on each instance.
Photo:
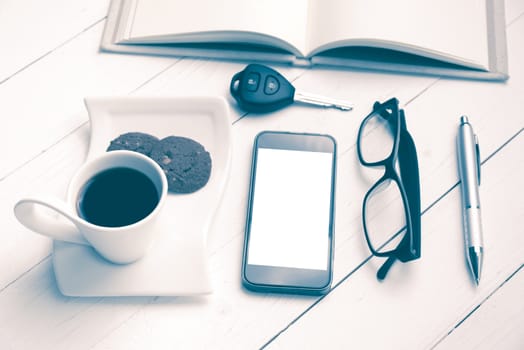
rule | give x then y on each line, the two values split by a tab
289	232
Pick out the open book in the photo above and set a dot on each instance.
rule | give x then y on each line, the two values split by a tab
463	38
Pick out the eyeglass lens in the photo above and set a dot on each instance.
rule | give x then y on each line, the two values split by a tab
384	217
377	138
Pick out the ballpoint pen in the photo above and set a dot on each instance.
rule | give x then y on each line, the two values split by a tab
469	171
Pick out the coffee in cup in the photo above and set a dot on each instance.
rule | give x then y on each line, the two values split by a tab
117	197
113	202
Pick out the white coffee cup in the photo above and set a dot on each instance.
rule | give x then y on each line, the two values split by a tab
119	244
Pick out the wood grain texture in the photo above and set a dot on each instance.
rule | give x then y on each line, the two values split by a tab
44	102
31	30
47	140
500	317
414	308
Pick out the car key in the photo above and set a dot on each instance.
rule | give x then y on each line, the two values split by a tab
259	88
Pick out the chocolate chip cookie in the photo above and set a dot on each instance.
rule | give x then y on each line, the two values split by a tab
134	141
186	163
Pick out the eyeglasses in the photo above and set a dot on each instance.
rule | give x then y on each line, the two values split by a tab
393	202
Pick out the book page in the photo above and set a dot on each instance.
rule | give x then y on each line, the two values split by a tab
455	30
172	20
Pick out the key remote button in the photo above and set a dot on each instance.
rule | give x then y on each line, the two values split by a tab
252	81
271	86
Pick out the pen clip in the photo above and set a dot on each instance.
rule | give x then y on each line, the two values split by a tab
477	151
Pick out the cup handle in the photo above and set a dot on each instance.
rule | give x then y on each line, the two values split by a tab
27	213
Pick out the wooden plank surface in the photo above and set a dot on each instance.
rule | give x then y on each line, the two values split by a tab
41	91
43	102
415	308
31	30
499	316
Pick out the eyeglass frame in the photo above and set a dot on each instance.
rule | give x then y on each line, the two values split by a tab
407	179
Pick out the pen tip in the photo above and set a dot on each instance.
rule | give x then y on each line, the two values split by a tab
475	260
463	119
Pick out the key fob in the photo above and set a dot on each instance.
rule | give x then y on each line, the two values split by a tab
260	89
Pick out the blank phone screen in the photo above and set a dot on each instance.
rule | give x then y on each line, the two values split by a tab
291	205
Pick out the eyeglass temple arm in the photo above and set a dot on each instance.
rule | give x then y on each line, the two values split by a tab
408	163
383	270
409	171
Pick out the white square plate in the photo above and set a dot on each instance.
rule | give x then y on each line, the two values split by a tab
177	262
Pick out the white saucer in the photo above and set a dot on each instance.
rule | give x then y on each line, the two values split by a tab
177	262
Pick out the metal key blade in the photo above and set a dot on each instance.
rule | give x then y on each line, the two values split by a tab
322	101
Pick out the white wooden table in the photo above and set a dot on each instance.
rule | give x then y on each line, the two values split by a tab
50	61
